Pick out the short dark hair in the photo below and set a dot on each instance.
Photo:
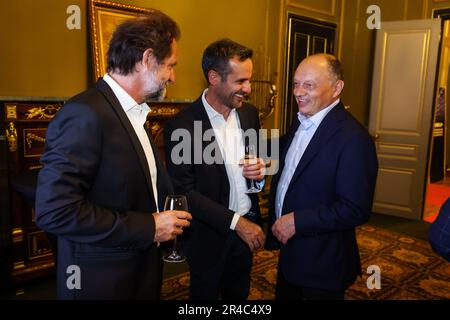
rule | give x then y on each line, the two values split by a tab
154	30
335	67
218	54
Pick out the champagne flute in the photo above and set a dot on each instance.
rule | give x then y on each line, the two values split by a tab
175	202
250	153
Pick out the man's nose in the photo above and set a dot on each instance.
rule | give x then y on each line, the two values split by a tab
247	87
172	76
298	91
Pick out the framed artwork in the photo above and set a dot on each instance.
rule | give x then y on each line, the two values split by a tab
104	17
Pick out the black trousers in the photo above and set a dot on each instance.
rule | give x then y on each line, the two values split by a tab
229	279
286	290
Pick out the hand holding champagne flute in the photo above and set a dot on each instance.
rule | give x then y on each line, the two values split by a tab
252	168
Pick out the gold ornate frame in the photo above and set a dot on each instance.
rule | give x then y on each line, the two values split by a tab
104	17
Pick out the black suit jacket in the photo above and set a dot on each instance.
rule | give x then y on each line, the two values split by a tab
206	185
94	192
330	193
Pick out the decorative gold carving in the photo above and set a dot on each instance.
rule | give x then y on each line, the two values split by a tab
162	112
19	265
33	142
35	167
11	135
32	269
33	137
155	128
47	112
20	292
438	132
11	111
17	235
38	245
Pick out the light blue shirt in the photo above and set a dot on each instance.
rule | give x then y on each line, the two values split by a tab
303	136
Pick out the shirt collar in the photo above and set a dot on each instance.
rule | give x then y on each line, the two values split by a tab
318	117
125	100
212	113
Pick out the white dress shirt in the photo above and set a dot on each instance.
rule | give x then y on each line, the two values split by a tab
228	134
137	114
300	142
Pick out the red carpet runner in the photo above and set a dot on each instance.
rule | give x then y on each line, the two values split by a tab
436	196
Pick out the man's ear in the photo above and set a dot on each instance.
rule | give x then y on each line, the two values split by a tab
214	77
148	59
338	87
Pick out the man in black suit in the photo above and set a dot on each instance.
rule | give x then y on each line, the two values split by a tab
102	186
323	190
225	228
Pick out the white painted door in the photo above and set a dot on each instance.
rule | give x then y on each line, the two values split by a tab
400	113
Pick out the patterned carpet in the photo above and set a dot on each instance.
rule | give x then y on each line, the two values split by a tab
410	270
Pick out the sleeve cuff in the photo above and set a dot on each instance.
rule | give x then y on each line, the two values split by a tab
234	221
260	184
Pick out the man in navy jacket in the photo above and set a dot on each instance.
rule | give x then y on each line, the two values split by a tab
439	235
323	190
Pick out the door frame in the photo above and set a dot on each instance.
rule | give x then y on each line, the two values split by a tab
444	14
398	160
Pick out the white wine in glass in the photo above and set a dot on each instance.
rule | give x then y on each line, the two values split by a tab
175	202
250	153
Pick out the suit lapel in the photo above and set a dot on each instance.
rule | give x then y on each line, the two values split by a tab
112	99
201	115
282	159
290	137
327	128
244	120
163	183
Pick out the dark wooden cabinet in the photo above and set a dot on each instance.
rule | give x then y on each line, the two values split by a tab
25	250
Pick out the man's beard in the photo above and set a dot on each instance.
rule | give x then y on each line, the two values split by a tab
158	95
158	89
229	100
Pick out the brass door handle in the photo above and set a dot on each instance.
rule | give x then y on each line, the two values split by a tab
375	136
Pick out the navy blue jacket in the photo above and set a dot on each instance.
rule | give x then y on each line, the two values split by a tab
331	192
439	234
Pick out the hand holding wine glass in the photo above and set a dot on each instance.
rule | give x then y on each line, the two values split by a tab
169	223
252	168
176	202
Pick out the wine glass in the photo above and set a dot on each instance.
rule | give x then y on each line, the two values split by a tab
175	202
250	153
